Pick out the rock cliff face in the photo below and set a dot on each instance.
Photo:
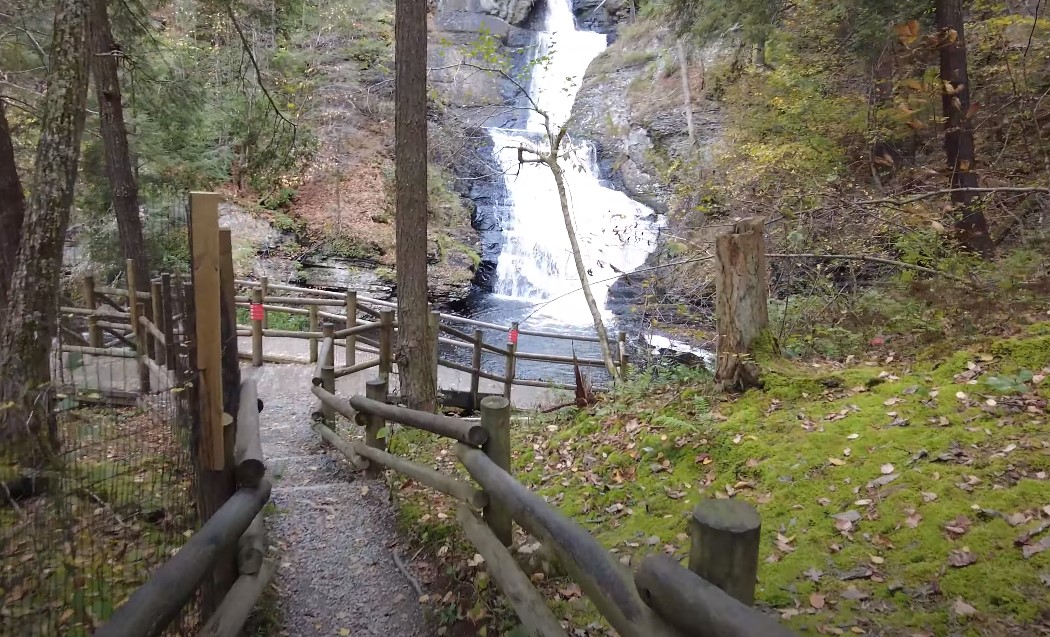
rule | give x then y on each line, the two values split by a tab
631	105
602	16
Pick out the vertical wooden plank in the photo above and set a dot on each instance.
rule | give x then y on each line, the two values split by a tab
386	342
204	210
375	427
91	303
231	367
313	328
495	418
258	318
168	311
351	321
724	537
475	366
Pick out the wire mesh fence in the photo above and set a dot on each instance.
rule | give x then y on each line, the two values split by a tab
115	495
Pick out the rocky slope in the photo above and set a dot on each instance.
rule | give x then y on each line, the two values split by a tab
631	106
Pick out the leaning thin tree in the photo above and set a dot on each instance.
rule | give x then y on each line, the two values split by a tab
415	358
26	336
549	157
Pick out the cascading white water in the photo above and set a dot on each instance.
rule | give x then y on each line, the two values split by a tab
615	233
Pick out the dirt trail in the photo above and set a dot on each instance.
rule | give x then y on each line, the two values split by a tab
335	530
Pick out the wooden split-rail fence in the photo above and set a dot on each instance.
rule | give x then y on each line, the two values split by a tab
364	324
710	598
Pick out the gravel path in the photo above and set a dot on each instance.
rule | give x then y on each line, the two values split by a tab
335	529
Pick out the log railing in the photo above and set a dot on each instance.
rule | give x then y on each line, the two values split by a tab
710	598
366	331
144	326
235	532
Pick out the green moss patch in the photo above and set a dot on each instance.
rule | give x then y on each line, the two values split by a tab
895	500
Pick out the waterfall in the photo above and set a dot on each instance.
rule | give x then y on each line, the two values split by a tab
615	233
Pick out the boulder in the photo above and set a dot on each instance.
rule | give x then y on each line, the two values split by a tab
513	11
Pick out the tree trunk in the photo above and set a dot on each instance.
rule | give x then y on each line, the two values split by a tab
687	98
123	186
971	227
741	302
25	339
12	210
415	355
603	336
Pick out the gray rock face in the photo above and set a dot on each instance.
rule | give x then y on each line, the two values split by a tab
601	15
513	11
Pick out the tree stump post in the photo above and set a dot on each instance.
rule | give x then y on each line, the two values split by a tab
351	321
375	427
724	536
742	311
495	419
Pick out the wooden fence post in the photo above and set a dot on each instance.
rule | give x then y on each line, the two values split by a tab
168	309
145	347
258	318
141	346
231	366
159	349
512	348
328	375
264	290
94	333
313	328
375	427
351	321
434	323
495	419
475	366
724	536
621	341
386	342
741	305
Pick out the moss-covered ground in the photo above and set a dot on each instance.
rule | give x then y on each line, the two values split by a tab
897	498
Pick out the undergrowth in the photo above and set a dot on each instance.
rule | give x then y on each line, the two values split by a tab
896	497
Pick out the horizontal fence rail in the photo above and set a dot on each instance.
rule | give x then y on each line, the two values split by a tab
711	598
153	606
